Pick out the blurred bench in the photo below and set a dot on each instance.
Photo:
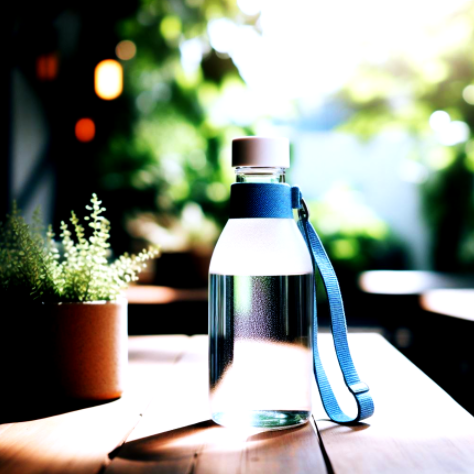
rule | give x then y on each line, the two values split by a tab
449	316
410	282
440	346
149	294
164	310
392	298
457	303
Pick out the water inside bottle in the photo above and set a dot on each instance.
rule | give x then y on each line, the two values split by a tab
260	350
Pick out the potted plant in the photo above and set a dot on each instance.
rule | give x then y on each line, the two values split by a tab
82	314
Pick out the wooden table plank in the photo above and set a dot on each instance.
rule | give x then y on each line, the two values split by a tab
416	428
4	427
184	400
457	303
79	441
206	448
170	431
176	436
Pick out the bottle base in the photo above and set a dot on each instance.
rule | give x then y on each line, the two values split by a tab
269	420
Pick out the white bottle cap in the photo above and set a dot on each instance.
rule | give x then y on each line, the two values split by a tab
261	152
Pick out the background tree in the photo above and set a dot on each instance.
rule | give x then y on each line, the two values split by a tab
427	93
169	154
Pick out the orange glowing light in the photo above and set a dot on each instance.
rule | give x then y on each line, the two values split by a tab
108	79
47	66
126	50
85	130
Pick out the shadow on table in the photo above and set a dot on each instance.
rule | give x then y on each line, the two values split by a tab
347	428
183	444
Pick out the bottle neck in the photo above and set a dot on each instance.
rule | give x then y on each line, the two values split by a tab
247	174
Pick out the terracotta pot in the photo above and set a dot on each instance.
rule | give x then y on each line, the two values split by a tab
90	348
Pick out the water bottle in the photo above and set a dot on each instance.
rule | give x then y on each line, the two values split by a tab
260	305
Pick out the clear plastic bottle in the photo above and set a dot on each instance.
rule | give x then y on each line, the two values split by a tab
260	308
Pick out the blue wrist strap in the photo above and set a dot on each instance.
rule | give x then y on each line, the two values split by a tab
360	391
268	200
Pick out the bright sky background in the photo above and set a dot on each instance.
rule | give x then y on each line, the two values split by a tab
309	48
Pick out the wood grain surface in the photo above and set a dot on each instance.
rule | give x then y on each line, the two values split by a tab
417	427
79	440
176	436
162	424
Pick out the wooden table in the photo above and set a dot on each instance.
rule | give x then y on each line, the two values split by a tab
410	282
458	303
162	424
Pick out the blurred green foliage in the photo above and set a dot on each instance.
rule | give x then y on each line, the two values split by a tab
169	158
401	94
354	236
169	150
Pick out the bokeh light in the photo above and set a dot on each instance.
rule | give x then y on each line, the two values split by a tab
448	132
250	7
47	66
468	94
171	28
108	79
191	54
85	130
439	120
454	133
126	50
